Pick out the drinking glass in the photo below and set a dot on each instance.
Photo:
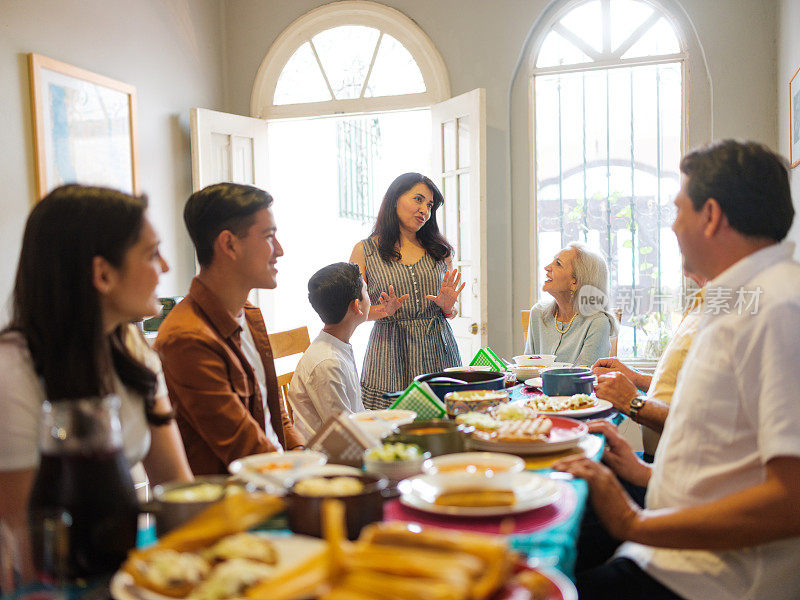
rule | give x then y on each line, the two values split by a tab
83	508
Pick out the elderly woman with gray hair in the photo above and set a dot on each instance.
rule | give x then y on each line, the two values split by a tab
576	325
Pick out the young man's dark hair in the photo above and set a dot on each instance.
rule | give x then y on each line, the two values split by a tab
219	207
332	289
750	183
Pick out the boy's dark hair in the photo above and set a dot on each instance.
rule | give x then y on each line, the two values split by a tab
332	288
220	207
750	182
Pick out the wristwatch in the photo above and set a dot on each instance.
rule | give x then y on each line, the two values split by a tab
637	402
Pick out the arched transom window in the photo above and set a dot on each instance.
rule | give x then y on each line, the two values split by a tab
349	57
608	81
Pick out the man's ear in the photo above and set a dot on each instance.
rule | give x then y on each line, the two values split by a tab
104	276
715	219
226	244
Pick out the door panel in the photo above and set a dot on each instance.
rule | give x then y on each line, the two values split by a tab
459	168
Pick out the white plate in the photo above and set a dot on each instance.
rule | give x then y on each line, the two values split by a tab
292	550
531	490
602	405
247	468
534	382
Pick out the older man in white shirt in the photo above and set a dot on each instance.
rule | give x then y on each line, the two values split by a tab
722	518
325	382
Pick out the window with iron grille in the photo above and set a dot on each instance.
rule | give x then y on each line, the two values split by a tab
608	115
358	148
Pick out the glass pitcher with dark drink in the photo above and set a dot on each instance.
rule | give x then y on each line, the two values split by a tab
83	508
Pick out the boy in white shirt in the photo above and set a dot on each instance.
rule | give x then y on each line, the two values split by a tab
325	381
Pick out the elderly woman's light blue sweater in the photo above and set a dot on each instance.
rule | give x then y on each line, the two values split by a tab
586	340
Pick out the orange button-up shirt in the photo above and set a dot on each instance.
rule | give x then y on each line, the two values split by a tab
218	406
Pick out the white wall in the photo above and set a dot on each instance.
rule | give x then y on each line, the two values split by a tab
171	50
788	62
481	42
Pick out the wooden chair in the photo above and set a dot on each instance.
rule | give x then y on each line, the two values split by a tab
526	317
284	344
618	314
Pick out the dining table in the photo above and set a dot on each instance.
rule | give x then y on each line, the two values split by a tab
546	537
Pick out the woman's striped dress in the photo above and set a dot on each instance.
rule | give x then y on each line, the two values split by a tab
416	339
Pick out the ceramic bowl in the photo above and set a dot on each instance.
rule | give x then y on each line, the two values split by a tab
394	470
377	423
470	464
436	437
535	360
567	381
305	512
176	502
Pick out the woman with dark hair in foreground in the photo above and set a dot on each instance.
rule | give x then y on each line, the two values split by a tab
407	265
89	266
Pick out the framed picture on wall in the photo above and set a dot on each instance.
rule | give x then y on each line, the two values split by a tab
794	119
84	127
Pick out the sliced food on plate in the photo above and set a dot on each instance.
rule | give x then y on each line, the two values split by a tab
524	430
545	403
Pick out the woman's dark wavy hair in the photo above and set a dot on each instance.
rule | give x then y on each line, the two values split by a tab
55	304
387	225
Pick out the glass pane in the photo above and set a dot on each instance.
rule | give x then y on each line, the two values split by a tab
301	80
345	53
626	16
464	217
659	39
465	304
585	22
395	71
450	225
607	150
449	145
556	51
463	142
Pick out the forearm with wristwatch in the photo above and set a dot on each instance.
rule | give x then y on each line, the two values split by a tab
649	412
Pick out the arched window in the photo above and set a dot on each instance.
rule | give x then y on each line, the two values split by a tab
349	57
608	106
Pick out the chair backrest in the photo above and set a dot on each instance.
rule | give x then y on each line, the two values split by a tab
526	317
618	314
288	343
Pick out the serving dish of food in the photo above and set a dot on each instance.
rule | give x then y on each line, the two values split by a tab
577	405
454	495
526	433
214	558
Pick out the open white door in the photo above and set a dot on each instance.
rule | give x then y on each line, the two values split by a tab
459	168
230	148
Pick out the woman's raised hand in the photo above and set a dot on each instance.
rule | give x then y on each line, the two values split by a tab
449	291
391	302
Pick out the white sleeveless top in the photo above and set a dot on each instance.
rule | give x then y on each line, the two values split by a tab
22	395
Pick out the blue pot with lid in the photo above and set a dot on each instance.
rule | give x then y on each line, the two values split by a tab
567	381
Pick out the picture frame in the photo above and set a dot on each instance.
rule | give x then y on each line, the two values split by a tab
794	119
84	127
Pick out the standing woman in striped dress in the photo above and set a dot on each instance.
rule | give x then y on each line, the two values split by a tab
407	265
